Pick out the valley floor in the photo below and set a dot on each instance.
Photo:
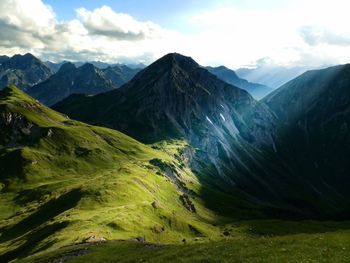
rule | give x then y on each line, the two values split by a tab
255	241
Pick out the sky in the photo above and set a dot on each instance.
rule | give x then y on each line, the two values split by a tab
234	33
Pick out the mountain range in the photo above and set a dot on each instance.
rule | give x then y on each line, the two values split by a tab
40	79
271	76
51	82
86	79
240	140
182	149
98	64
258	91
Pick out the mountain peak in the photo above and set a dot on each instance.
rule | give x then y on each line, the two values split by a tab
172	59
29	55
68	66
88	68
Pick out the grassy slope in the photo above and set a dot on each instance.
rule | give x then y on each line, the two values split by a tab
255	241
84	182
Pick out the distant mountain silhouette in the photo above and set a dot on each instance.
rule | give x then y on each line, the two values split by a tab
257	90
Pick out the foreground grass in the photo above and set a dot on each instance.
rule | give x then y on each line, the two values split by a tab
305	247
64	182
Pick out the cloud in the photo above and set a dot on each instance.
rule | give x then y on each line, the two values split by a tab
318	35
19	28
105	22
296	32
100	34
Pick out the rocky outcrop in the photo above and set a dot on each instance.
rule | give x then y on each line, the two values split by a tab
16	130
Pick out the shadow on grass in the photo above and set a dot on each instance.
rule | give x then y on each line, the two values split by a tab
283	228
32	239
48	211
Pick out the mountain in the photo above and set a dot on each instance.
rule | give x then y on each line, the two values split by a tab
86	79
244	147
76	192
54	66
257	90
176	98
271	76
3	59
23	71
64	182
120	74
98	64
313	112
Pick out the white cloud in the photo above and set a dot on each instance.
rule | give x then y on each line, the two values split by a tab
98	34
105	22
299	32
296	33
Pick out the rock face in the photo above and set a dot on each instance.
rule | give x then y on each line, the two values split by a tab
23	71
15	129
258	91
314	119
86	79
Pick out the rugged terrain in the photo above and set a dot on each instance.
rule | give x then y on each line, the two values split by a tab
86	79
22	70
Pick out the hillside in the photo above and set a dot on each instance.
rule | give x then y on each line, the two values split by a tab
314	115
258	91
65	182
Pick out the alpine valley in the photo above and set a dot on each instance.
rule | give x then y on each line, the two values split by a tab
173	162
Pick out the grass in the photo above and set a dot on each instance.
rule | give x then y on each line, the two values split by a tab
325	243
94	182
66	185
